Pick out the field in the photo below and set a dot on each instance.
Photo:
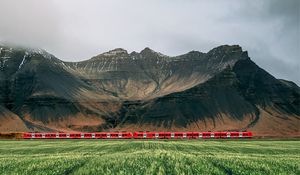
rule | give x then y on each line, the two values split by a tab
149	157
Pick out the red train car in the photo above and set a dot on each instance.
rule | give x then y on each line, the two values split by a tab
181	135
139	135
207	135
154	135
118	135
220	135
247	134
148	135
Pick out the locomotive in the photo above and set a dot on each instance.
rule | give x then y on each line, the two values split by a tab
139	135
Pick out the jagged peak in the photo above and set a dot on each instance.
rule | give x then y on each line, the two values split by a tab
114	52
226	48
235	52
148	51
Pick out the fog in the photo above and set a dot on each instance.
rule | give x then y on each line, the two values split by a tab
76	30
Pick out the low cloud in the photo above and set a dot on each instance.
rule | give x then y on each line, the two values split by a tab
75	29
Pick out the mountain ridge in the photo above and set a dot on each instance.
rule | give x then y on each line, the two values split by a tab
218	90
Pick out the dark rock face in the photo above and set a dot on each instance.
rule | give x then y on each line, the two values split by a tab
261	88
146	90
236	92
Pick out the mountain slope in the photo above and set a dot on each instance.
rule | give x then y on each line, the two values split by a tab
219	90
40	91
241	97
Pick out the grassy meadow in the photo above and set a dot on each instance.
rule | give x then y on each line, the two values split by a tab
149	157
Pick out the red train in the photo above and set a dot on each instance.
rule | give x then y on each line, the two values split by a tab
139	135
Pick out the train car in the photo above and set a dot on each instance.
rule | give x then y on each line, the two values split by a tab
152	135
220	135
112	135
197	135
227	135
247	134
105	135
126	135
178	135
182	135
167	135
189	135
216	135
140	135
207	135
26	135
235	135
145	135
75	135
119	135
161	135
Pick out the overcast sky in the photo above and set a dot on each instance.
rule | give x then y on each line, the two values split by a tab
76	30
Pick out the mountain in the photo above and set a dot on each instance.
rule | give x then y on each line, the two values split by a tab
116	90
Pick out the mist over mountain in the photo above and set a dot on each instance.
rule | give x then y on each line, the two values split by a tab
222	89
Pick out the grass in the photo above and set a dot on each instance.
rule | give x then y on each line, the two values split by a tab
149	157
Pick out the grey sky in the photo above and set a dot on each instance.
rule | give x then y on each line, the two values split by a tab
78	29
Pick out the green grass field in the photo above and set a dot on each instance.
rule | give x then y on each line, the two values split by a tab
149	157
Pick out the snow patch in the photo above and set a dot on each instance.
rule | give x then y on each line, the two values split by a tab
42	52
24	57
64	65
